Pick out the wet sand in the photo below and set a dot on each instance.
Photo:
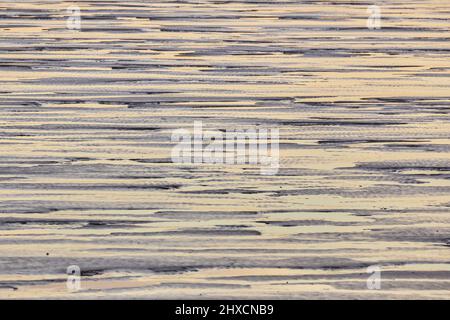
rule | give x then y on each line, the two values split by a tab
85	149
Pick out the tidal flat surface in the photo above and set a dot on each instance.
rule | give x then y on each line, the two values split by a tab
86	176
